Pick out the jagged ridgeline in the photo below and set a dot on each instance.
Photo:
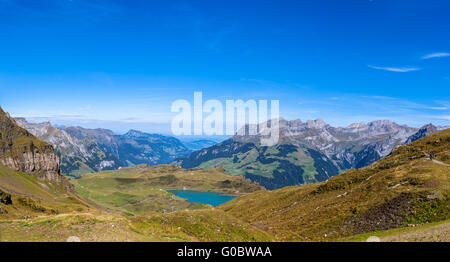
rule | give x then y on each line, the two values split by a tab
409	187
307	152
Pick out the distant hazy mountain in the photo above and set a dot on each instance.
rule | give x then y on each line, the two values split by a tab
307	152
141	148
198	144
91	150
134	147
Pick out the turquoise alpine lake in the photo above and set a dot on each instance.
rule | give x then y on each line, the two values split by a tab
209	198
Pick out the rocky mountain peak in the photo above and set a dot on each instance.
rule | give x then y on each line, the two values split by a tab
381	122
424	131
386	124
317	124
81	133
135	134
20	120
429	126
357	125
4	114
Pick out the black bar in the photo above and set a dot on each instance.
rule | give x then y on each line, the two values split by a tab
230	251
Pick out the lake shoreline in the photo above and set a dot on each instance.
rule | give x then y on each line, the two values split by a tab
209	198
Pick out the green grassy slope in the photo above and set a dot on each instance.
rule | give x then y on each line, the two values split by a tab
140	189
199	225
404	188
30	197
182	226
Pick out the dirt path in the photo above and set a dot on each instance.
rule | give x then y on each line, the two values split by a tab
438	233
435	161
440	163
11	191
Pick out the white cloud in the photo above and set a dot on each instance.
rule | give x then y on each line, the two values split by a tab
446	117
395	69
438	108
435	55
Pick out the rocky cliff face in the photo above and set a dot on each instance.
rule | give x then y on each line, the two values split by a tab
21	151
44	164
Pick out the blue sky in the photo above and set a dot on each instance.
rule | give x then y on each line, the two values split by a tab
121	64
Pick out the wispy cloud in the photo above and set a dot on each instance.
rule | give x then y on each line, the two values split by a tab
395	69
445	117
380	97
435	55
438	108
398	102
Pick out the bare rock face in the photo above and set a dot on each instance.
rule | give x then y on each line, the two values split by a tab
22	152
45	165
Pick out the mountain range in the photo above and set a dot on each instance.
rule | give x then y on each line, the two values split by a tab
91	150
307	152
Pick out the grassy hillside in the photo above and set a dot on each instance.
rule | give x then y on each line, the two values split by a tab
199	225
22	195
140	189
182	226
405	188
